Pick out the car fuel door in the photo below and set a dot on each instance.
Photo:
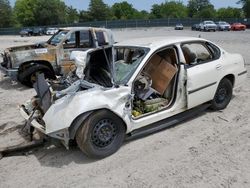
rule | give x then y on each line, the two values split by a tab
203	73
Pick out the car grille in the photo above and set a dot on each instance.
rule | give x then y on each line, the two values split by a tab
210	27
6	61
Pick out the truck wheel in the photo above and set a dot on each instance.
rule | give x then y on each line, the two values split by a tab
101	134
28	76
223	95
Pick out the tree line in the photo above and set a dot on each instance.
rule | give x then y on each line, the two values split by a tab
53	12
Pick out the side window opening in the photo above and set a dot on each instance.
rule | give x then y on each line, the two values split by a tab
196	53
70	42
85	39
154	87
101	38
214	50
126	62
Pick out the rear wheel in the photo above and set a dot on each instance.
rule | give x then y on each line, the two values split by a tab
101	135
223	95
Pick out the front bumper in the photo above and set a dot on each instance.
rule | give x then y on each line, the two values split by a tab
62	135
31	121
12	73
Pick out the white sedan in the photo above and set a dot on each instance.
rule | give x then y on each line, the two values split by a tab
134	88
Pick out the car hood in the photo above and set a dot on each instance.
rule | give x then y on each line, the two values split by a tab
210	24
27	47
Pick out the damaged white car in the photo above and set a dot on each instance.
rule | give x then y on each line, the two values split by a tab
133	88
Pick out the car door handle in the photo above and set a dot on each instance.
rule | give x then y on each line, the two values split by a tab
218	67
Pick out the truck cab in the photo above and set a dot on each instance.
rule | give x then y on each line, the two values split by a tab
52	58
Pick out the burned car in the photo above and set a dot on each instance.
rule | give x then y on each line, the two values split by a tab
52	57
133	88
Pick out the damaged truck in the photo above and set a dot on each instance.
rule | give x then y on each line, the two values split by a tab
131	89
52	58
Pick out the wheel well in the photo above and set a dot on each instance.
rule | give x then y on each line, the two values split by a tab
82	117
28	64
231	78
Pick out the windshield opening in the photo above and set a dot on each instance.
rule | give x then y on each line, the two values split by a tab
126	61
57	38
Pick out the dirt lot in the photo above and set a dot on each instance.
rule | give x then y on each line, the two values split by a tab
211	150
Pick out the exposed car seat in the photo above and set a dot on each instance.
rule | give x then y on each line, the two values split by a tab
190	57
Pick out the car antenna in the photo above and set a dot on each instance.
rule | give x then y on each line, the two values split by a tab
199	36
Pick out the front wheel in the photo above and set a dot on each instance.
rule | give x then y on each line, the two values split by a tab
28	76
101	135
223	95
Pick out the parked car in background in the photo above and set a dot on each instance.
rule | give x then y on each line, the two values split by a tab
208	26
178	26
223	26
38	31
51	31
238	27
26	32
52	57
195	27
138	87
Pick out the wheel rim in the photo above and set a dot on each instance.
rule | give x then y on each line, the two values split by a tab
104	133
221	95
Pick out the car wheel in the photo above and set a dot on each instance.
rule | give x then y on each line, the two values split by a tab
101	135
28	76
223	95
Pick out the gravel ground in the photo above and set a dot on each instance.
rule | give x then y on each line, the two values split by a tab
210	150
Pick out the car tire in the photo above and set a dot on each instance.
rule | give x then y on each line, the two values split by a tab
101	134
28	76
223	95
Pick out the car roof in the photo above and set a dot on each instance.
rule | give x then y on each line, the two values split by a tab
157	42
82	28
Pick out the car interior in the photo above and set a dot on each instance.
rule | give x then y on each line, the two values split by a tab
154	87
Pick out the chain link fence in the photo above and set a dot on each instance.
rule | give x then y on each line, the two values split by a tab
116	24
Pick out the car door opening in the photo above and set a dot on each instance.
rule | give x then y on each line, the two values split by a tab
154	86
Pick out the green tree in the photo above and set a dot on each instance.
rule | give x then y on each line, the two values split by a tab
24	12
123	10
50	12
245	7
6	13
98	10
200	8
229	12
169	9
207	12
173	9
142	15
40	12
72	15
156	11
84	16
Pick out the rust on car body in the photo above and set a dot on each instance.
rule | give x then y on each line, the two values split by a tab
52	57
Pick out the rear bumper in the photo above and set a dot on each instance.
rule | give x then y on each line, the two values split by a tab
12	73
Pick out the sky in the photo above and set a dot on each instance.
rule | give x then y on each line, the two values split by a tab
144	4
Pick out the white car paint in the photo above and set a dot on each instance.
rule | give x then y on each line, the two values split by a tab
64	111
